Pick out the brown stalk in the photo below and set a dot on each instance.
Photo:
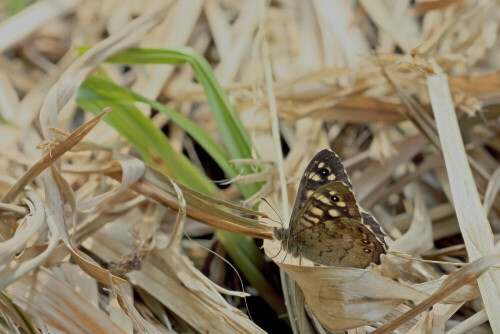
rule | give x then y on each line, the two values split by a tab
74	138
150	191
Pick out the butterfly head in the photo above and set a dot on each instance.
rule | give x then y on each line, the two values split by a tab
288	243
279	233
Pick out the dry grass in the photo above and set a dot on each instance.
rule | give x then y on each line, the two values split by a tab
93	221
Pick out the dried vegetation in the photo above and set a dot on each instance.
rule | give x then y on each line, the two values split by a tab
94	215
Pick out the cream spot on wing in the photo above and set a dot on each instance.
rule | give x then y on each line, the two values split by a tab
341	204
334	213
310	218
322	199
321	165
316	211
332	192
331	177
306	222
313	176
309	193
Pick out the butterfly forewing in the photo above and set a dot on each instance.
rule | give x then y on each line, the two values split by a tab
331	201
325	167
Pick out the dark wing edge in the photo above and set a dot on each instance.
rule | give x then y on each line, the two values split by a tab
375	227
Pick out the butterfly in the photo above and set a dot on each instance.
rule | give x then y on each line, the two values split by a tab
327	225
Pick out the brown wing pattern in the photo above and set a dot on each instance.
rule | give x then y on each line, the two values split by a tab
325	167
343	242
331	201
327	225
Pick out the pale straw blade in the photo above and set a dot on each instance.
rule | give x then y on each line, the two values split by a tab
472	219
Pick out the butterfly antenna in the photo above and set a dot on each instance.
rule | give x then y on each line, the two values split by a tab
265	200
226	261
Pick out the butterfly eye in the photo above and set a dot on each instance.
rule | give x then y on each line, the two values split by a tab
324	172
335	198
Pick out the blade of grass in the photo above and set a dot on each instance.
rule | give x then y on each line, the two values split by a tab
103	91
242	249
153	145
472	219
233	133
15	6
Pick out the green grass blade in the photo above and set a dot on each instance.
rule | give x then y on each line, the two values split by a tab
109	91
153	145
15	6
241	248
232	130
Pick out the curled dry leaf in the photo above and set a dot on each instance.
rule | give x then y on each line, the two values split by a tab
10	270
338	297
347	298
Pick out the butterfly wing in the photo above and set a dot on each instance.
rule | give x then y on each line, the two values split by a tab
325	167
327	225
330	201
343	242
375	227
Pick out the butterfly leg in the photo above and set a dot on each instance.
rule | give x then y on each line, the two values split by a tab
284	257
287	249
281	247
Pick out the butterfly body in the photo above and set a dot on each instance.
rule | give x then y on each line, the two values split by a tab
327	225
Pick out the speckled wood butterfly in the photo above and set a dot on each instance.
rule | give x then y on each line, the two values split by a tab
327	226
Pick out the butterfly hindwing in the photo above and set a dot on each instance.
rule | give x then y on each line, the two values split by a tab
343	242
375	227
331	201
